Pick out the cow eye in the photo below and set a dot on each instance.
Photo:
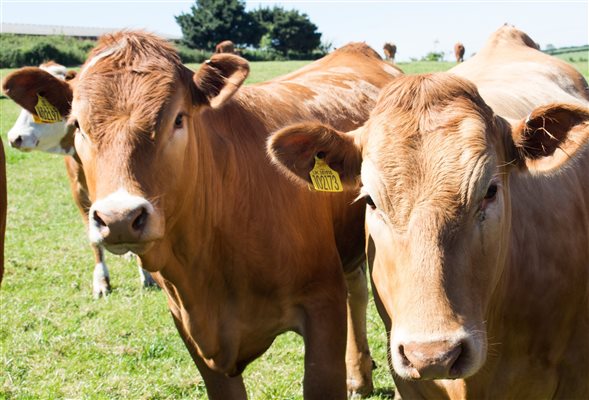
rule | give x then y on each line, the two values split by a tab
491	192
370	202
179	121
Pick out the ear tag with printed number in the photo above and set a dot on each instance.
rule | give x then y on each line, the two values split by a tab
324	178
46	112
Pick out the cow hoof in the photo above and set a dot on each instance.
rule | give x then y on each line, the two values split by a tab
358	390
101	288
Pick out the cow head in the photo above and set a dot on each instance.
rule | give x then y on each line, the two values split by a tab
434	164
137	109
45	97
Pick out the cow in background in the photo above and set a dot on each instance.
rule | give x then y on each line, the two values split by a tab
51	135
3	206
459	52
390	50
226	46
477	210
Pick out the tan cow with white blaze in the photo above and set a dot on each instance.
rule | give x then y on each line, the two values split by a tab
480	226
45	86
177	172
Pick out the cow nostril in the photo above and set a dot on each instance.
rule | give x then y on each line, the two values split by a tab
141	220
404	358
99	222
16	143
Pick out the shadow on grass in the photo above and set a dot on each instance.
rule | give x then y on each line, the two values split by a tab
384	393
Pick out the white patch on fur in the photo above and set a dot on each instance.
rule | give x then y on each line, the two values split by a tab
58	71
107	52
41	137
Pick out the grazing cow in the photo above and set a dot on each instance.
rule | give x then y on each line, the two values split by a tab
177	172
51	135
459	52
226	46
479	227
3	202
390	49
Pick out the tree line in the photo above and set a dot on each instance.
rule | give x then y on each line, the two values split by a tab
286	32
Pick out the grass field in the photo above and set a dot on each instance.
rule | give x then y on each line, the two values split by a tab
57	342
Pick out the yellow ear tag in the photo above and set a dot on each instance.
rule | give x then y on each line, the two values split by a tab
324	178
46	112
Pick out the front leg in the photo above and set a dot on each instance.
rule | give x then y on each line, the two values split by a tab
325	343
219	386
100	277
359	363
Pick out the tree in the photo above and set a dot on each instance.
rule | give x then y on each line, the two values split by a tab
287	30
212	21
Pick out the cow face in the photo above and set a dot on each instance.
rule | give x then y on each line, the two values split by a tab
45	98
136	109
435	166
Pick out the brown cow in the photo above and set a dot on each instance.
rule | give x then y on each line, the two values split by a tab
177	172
54	136
226	46
480	226
459	52
3	201
390	50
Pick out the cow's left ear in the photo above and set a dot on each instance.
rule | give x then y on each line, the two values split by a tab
295	150
220	77
550	136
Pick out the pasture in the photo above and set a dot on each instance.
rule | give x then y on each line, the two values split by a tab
56	341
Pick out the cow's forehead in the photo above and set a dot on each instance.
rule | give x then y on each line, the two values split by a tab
433	155
127	85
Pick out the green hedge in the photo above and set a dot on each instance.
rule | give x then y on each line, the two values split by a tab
18	51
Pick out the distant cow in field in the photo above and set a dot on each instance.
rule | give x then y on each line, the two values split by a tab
390	49
477	206
177	172
41	126
226	46
459	52
3	206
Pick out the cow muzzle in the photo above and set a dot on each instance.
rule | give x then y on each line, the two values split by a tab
450	358
122	222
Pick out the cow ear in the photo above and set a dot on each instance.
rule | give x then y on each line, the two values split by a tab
220	77
295	149
25	85
550	136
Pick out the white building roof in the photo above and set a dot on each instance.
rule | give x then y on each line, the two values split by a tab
78	31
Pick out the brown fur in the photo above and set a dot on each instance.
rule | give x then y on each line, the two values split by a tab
226	46
459	52
390	50
239	257
479	228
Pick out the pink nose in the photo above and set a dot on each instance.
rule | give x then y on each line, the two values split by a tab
432	360
120	226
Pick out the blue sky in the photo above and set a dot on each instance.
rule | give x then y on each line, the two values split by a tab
417	27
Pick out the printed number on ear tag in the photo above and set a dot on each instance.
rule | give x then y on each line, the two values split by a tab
324	178
46	112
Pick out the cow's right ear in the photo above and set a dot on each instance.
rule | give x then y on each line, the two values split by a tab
25	85
219	78
295	149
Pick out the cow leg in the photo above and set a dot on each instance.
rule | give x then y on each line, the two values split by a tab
100	278
358	361
145	277
325	344
219	386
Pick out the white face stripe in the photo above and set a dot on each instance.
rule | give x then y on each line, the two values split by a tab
111	50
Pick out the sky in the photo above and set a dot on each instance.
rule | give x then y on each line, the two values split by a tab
416	27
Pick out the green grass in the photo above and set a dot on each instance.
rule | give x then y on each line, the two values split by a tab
57	342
